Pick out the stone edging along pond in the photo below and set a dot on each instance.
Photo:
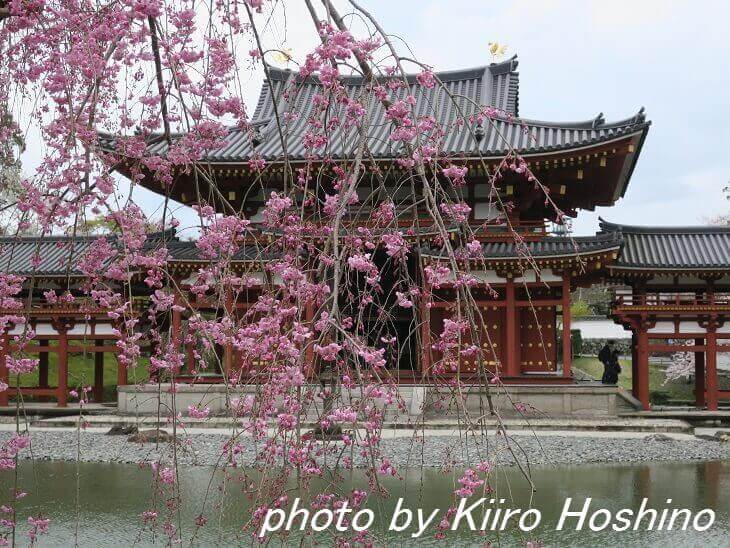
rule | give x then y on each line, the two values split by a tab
204	449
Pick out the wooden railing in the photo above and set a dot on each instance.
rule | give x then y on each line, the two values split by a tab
671	299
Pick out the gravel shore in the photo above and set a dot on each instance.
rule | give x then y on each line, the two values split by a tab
204	449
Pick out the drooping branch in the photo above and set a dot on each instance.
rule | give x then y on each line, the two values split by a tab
160	81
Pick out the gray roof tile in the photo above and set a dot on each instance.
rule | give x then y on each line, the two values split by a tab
496	85
58	256
672	248
548	247
53	255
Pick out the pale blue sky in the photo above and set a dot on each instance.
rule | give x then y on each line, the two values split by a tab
579	58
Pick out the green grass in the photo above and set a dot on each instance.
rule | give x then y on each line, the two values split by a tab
659	390
81	373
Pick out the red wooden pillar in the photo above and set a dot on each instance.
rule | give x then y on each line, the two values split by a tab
4	345
711	368
512	344
641	379
309	349
567	346
99	374
176	325
189	363
711	396
699	375
425	319
228	349
122	378
175	336
62	389
634	361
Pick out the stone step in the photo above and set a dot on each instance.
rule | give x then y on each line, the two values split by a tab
50	409
696	417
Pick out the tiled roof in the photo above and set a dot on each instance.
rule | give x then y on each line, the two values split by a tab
54	255
672	248
184	251
59	255
548	247
462	94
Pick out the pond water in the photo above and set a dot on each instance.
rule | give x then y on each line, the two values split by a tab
111	498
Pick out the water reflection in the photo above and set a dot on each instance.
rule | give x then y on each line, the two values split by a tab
112	497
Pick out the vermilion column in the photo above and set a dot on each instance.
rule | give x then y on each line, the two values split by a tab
641	380
62	390
309	351
711	354
512	349
228	349
176	324
176	316
711	369
567	346
699	375
634	361
121	374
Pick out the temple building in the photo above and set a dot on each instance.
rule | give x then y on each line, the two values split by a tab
674	283
675	288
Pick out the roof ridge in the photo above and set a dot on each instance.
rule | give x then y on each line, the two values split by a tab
596	123
170	233
49	238
608	226
281	75
598	237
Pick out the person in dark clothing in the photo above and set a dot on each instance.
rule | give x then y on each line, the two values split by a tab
608	356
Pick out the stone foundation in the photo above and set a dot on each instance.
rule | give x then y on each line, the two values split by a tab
536	401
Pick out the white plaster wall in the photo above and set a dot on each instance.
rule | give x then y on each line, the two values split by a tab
489	276
600	329
547	275
663	327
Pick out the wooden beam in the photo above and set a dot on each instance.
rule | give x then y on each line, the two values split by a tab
540	302
71	348
675	348
36	391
